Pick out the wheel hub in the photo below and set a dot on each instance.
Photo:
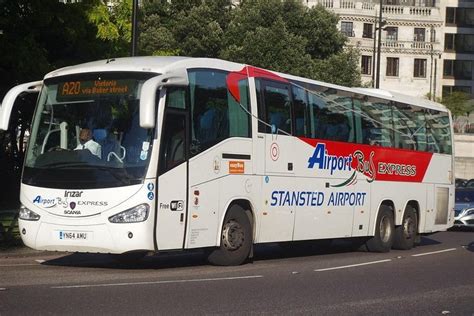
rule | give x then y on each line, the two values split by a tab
232	235
408	228
385	229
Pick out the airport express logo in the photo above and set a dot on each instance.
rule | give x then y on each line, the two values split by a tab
69	206
322	160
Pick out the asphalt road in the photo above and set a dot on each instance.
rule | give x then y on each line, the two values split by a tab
435	278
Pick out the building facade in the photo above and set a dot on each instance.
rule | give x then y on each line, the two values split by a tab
427	46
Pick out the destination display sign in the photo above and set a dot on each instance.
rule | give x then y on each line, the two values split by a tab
77	90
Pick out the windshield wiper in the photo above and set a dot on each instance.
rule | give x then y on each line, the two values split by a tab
64	165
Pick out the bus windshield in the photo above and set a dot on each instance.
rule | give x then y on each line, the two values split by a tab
86	132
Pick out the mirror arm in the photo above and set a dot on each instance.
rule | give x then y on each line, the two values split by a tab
176	77
10	98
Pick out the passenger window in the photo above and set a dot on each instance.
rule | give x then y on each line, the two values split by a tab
439	139
331	114
215	114
278	107
404	126
375	117
300	106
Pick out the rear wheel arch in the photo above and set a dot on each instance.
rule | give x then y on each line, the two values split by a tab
407	233
246	206
416	208
384	229
383	204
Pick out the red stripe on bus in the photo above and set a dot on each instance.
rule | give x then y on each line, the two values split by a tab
386	164
233	78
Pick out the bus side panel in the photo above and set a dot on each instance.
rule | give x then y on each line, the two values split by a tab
398	193
325	199
232	156
278	212
426	219
243	187
439	170
441	212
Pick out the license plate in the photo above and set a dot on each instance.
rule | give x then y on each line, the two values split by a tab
74	235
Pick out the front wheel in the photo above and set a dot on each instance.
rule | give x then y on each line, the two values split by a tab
406	233
384	232
236	239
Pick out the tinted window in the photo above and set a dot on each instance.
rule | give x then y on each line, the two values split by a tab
331	114
300	110
439	132
277	107
374	116
215	114
404	127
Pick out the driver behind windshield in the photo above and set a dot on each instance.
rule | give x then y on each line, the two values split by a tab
86	142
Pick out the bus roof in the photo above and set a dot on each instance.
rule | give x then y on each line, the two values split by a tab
160	64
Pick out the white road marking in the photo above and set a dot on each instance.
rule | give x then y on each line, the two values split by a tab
40	261
433	252
353	265
157	282
17	265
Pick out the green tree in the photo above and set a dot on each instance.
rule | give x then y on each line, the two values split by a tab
290	37
279	35
273	48
188	28
114	25
458	103
42	35
39	36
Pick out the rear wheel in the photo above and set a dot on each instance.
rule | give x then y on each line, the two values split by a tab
236	239
406	234
384	232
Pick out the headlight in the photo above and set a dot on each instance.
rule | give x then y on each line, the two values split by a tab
28	215
136	214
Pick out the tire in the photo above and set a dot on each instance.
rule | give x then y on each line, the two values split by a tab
384	232
406	233
236	239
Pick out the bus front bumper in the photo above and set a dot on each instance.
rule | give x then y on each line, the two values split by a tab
98	238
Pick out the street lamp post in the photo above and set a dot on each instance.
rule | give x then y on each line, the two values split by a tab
379	43
374	56
133	51
432	41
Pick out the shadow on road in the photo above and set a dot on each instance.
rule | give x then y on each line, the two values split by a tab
263	252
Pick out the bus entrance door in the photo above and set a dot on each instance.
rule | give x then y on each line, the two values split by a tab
172	182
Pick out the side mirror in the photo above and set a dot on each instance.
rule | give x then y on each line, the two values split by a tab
10	98
176	77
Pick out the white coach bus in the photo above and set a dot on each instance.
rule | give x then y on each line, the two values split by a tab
167	153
